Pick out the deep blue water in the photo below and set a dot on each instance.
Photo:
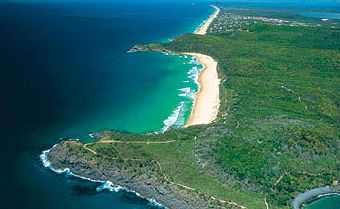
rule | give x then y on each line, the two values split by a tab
64	72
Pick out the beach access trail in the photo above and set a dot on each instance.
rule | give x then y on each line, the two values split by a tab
84	146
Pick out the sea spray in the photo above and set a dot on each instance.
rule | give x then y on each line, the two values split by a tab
47	164
176	119
187	92
184	91
104	185
108	185
179	115
199	26
172	119
90	86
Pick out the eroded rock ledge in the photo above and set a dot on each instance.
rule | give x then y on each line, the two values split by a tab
142	176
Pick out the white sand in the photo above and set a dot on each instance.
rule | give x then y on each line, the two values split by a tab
207	100
203	29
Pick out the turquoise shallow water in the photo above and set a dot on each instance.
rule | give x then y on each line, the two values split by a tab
65	73
165	101
327	202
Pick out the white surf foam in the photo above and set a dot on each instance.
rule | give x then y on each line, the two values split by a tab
193	61
105	184
109	186
153	202
184	91
193	74
173	118
187	92
199	26
47	164
177	118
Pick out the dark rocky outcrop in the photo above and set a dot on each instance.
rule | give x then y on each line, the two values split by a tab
142	177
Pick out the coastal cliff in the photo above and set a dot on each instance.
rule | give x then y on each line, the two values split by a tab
276	134
143	176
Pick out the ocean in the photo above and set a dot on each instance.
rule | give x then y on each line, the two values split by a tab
322	15
66	73
326	202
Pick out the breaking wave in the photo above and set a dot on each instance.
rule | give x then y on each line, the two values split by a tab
105	185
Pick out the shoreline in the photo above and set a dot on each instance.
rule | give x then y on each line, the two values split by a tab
104	185
207	102
157	190
203	29
314	194
204	111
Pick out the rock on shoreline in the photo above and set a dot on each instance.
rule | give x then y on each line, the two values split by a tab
313	194
150	48
143	178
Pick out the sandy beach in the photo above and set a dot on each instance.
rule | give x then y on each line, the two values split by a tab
203	29
207	100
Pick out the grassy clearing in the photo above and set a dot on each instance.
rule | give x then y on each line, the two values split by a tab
277	132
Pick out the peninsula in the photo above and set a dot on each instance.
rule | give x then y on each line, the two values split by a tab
276	134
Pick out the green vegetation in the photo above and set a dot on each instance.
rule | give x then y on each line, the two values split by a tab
277	132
